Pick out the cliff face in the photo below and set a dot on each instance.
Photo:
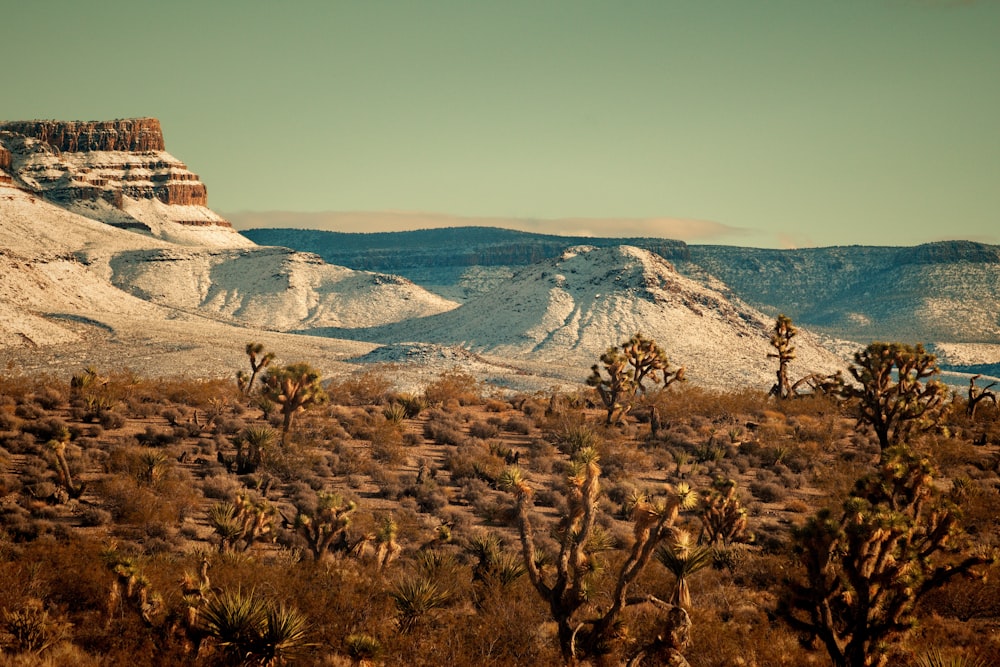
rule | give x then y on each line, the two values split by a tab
4	165
117	172
134	135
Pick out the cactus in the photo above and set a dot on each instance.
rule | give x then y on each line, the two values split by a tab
866	570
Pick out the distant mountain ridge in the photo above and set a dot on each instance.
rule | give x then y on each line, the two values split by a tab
108	247
947	291
455	246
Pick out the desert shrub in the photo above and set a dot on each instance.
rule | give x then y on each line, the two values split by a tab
454	386
110	419
29	411
51	397
496	405
95	516
369	387
430	497
156	437
8	422
220	487
387	444
49	428
444	431
518	425
483	430
768	492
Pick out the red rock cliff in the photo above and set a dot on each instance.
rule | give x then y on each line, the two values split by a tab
135	135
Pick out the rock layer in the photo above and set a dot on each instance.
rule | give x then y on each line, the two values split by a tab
134	135
117	172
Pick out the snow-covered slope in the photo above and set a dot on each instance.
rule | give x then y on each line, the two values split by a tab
272	288
100	268
566	312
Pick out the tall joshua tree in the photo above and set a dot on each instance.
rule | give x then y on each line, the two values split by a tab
866	569
896	395
293	388
567	589
259	360
784	352
627	367
977	395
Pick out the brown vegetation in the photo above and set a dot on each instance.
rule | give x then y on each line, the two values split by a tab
161	522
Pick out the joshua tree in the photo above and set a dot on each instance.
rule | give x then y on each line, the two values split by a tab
976	395
781	341
58	448
866	570
723	519
326	525
258	361
567	589
893	397
627	367
293	388
242	522
386	547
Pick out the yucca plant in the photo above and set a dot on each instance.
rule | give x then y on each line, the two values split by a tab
394	413
363	647
153	465
226	523
415	597
252	447
252	630
682	558
935	658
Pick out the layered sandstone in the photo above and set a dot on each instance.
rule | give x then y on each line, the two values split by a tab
133	135
117	172
5	165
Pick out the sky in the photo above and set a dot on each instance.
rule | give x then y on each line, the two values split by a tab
769	123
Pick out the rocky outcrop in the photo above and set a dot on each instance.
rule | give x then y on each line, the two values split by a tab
134	135
5	178
117	172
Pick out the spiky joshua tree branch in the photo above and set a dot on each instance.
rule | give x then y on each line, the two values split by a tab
566	586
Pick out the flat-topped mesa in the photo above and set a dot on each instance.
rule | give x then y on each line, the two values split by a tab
115	171
134	135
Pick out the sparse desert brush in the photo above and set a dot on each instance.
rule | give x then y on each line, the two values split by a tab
454	386
369	387
483	430
444	430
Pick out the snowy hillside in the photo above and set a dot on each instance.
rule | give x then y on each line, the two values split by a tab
565	312
271	288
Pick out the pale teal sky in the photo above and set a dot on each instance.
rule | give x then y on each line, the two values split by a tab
782	122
